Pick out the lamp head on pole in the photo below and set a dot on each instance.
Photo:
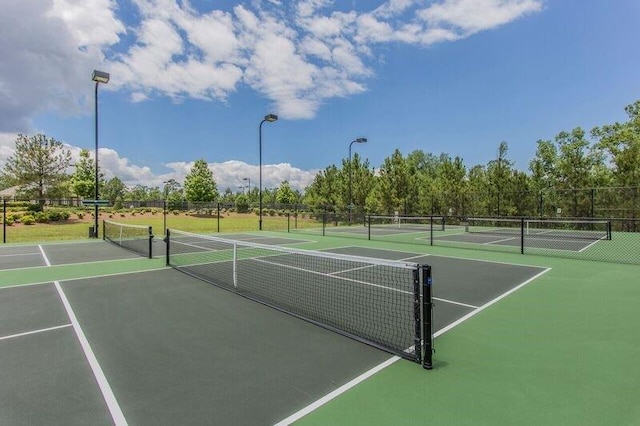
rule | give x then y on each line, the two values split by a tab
270	118
361	140
100	76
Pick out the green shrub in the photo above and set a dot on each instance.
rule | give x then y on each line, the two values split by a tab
57	215
34	208
40	217
80	215
9	221
27	219
272	212
18	204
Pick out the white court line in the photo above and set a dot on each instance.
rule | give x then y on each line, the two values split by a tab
320	402
21	254
500	241
42	330
115	274
489	303
105	388
328	275
590	245
44	256
351	270
453	302
342	389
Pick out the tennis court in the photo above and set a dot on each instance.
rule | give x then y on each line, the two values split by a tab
157	346
542	235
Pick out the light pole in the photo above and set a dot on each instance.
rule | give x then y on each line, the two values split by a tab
248	185
98	77
270	118
359	140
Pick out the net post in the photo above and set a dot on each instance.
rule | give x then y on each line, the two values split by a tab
167	240
218	215
104	234
522	235
288	221
431	230
369	227
416	315
150	241
609	230
427	317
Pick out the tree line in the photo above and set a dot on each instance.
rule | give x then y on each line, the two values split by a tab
566	177
561	179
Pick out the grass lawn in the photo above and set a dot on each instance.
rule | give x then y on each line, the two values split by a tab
76	228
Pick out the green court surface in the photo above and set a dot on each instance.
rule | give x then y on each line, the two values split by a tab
561	350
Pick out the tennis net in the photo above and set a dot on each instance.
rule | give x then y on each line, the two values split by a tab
136	238
406	223
386	304
541	228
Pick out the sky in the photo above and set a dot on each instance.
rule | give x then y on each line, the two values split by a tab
193	79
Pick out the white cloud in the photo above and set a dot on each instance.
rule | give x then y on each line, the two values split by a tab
472	16
230	174
297	56
47	56
7	146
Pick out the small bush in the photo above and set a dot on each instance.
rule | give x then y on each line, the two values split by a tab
34	208
9	221
28	219
80	216
40	217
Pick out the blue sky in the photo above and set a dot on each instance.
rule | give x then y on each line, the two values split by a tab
193	79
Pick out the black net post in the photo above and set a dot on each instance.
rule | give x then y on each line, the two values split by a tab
416	315
427	317
369	227
288	222
431	230
104	234
150	241
218	215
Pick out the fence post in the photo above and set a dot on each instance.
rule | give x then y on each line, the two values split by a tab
522	236
164	217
